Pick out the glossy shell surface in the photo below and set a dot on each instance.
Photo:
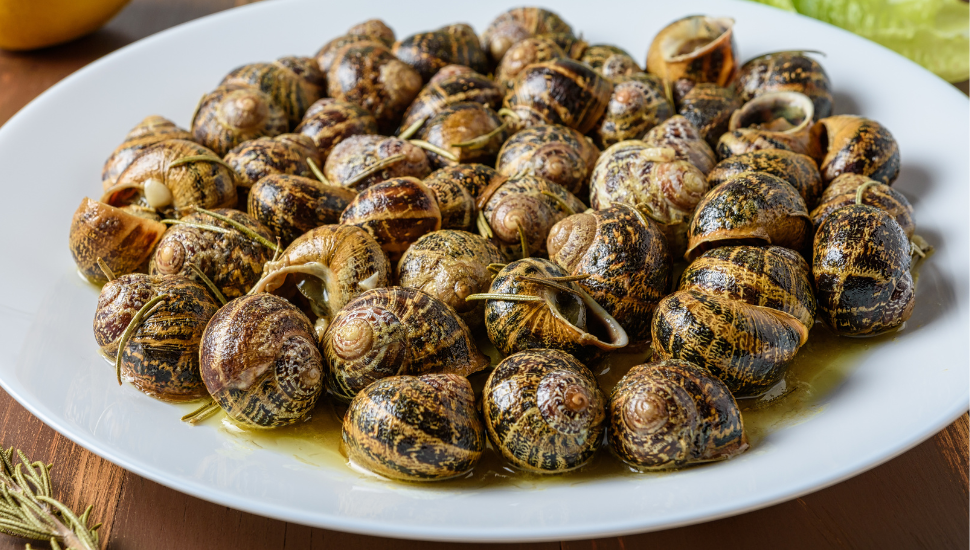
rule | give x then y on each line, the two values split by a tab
561	91
709	108
518	24
329	121
289	89
842	192
446	89
289	206
856	145
798	170
679	134
354	162
428	52
555	153
786	71
637	104
456	189
149	131
460	123
261	157
123	240
233	114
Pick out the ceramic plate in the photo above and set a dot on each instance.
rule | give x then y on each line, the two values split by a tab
895	393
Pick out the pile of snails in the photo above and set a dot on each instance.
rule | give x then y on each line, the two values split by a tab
355	226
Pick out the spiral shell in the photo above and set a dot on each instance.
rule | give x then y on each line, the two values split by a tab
523	53
307	69
561	91
289	206
784	116
124	241
846	144
261	157
556	153
395	212
842	192
148	132
697	48
613	63
459	123
709	108
679	134
428	52
236	113
670	414
448	87
290	90
415	428
373	29
786	71
544	411
638	104
747	140
329	121
518	24
798	170
353	161
456	189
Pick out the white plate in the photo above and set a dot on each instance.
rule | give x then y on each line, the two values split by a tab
902	391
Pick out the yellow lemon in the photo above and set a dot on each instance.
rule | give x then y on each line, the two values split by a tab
30	24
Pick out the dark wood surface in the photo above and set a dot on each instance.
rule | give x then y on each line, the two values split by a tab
917	500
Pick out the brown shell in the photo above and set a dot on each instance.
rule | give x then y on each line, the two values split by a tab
428	52
698	48
329	121
523	53
375	29
260	362
626	258
353	157
568	42
842	192
709	108
307	69
235	113
395	212
261	157
679	134
669	414
751	208
544	411
798	170
367	74
326	55
161	358
451	266
747	140
393	331
148	132
861	266
784	116
638	104
847	144
233	262
518	24
289	206
463	122
415	428
289	88
456	189
556	153
789	72
122	239
447	89
613	63
561	91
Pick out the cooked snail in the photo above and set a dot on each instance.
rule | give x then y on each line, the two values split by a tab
785	117
148	132
524	53
372	30
428	52
610	61
709	108
556	153
456	188
798	170
561	91
746	140
307	69
679	134
329	121
518	24
638	104
359	162
466	132
289	206
786	72
235	113
261	157
446	88
122	240
697	48
290	89
844	190
852	144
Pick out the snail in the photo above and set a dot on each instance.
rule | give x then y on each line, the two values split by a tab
544	411
392	331
654	181
789	72
697	48
434	414
451	266
260	362
523	53
122	240
329	266
289	206
853	144
456	189
638	104
670	414
359	162
750	208
290	89
679	134
151	327
519	211
534	303
148	132
561	91
447	87
233	114
518	24
329	121
428	52
613	63
373	30
784	117
172	176
709	108
798	170
307	69
395	212
261	157
556	153
569	43
469	132
746	140
367	74
844	189
625	259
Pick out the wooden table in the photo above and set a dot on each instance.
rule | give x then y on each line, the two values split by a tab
918	500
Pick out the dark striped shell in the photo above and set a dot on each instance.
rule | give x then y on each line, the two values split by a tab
697	48
447	89
456	189
352	162
329	121
148	132
626	258
428	52
842	192
289	206
555	153
861	268
523	53
161	358
392	331
638	103
847	144
122	239
566	318
236	113
786	71
415	428
307	69
751	208
233	262
747	140
518	24
288	88
670	414
373	30
572	45
260	361
261	157
709	108
613	63
451	266
464	122
679	134
798	170
561	91
544	411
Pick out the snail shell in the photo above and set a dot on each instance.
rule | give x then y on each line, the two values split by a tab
747	140
353	157
434	413
235	113
524	53
669	414
709	108
428	52
161	358
798	170
260	362
307	69
751	208
395	212
233	262
148	132
569	43
679	134
861	267
123	240
569	321
544	411
451	266
853	144
518	24
842	192
329	121
556	153
261	157
790	72
391	331
289	206
697	48
613	63
638	104
448	87
290	89
627	260
463	122
374	29
784	116
561	91
456	188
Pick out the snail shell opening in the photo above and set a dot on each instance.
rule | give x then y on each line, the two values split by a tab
782	112
695	36
594	326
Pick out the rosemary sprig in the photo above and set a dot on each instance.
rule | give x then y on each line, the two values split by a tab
28	510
